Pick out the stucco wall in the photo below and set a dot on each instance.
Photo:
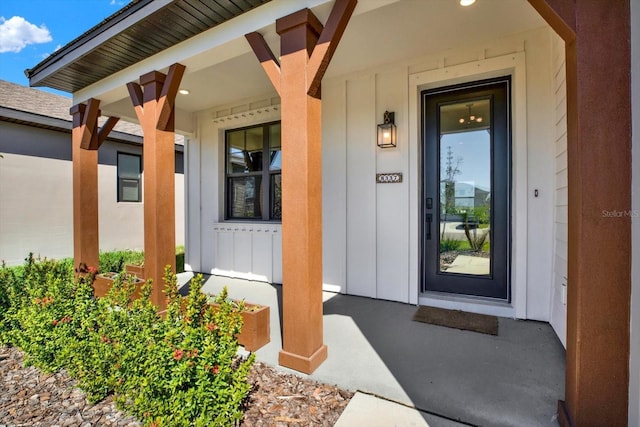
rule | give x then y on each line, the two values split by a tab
36	198
634	383
367	226
35	193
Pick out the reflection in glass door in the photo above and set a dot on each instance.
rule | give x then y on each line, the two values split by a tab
465	188
466	184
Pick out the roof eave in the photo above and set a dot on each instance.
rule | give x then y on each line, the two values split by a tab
41	74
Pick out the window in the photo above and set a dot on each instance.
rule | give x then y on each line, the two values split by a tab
129	177
254	173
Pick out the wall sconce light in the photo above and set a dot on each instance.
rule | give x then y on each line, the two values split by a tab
387	131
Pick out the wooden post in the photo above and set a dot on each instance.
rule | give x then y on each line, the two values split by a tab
599	166
154	104
86	139
306	50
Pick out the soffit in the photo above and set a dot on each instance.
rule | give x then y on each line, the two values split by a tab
138	31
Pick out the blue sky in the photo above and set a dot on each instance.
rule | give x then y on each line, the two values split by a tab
30	30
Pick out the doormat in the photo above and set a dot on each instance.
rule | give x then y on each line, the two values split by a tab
457	319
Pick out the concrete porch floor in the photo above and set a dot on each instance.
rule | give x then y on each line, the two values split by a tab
453	377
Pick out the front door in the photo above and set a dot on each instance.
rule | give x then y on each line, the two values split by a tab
466	187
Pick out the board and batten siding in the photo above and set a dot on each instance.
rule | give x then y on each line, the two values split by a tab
559	288
370	246
374	222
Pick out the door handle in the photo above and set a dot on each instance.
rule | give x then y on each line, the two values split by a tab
429	220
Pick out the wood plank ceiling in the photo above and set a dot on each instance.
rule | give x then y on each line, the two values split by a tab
170	25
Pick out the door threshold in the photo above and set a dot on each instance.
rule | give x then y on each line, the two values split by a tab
468	303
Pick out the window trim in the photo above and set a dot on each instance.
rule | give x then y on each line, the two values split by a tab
119	180
265	174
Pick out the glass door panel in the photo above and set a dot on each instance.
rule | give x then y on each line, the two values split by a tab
465	188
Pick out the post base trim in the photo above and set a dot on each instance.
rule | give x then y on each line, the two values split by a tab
564	418
303	363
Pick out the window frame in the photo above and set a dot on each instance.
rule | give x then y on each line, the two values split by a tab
266	175
119	180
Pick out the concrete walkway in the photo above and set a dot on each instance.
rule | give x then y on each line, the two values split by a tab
470	265
513	379
371	411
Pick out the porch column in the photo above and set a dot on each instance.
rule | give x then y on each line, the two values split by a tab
306	50
154	102
597	37
86	139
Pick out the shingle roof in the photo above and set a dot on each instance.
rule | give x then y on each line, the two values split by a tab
22	98
34	101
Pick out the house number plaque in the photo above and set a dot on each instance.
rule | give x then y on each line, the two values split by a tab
389	178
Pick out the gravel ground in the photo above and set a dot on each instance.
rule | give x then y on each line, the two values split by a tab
30	398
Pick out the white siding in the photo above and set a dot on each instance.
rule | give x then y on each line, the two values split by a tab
361	187
246	251
559	288
334	207
379	216
540	159
392	225
367	248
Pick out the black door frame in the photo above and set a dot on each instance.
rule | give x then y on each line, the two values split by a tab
498	286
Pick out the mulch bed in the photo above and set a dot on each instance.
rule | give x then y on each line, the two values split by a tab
280	399
31	398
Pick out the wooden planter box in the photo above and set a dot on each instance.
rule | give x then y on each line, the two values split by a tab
256	326
102	283
135	270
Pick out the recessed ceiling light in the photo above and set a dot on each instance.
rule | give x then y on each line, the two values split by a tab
184	91
467	2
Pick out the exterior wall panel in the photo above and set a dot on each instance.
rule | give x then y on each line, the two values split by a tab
367	226
540	154
248	251
392	200
361	187
559	287
334	187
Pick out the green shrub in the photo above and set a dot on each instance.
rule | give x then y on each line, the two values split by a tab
42	315
476	237
11	290
180	259
180	369
447	245
94	354
115	260
191	374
